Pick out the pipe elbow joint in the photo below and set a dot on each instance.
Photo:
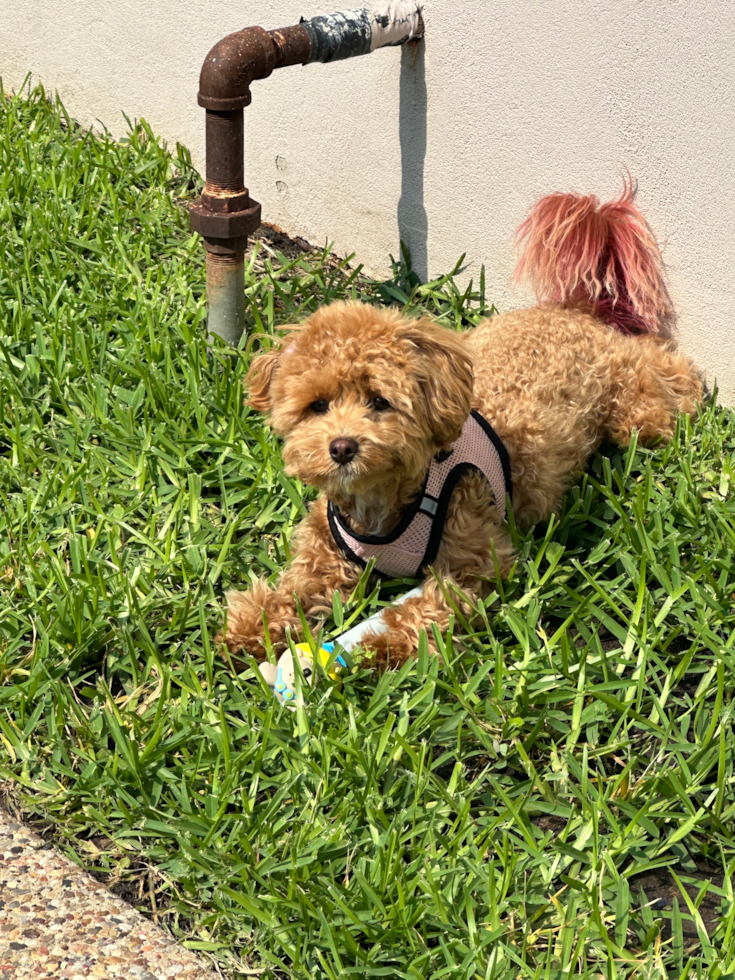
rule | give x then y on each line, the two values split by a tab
230	67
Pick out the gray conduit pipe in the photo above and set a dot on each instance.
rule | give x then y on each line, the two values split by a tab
225	215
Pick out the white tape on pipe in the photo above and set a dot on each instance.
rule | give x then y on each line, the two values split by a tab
394	22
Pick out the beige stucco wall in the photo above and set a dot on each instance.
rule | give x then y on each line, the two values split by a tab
450	143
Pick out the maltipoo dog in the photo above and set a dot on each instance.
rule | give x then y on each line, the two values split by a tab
417	435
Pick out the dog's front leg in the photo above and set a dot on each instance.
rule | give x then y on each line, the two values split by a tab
404	623
475	549
317	571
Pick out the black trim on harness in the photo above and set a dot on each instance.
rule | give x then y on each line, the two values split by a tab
339	540
502	451
437	527
408	515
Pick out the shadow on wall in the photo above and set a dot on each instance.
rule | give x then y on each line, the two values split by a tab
413	225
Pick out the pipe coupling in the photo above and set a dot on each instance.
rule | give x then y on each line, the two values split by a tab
224	224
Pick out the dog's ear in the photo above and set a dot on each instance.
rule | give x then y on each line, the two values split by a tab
260	377
443	368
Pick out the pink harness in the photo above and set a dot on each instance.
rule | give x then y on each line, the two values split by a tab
414	543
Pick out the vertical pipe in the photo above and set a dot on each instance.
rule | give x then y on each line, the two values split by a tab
226	296
224	194
225	158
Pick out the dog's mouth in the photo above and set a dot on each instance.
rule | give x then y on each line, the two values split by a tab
358	478
322	471
345	467
339	480
349	477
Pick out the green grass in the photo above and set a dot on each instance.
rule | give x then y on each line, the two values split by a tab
486	816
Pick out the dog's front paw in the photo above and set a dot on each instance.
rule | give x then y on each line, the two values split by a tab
388	650
245	629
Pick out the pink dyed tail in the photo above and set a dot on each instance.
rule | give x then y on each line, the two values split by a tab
575	250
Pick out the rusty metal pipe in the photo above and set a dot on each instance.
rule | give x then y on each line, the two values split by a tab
224	143
226	295
225	215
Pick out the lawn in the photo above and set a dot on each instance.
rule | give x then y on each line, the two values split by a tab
556	795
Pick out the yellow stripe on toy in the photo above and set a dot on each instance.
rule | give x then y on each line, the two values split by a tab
325	655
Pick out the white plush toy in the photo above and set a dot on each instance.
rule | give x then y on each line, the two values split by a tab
281	677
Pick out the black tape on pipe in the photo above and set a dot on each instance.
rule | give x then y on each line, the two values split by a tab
350	33
334	37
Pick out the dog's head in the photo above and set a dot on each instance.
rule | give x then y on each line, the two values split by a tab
363	397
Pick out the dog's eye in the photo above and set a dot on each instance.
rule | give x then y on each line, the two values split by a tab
380	404
307	672
320	407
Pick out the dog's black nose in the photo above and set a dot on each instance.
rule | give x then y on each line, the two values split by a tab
343	451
